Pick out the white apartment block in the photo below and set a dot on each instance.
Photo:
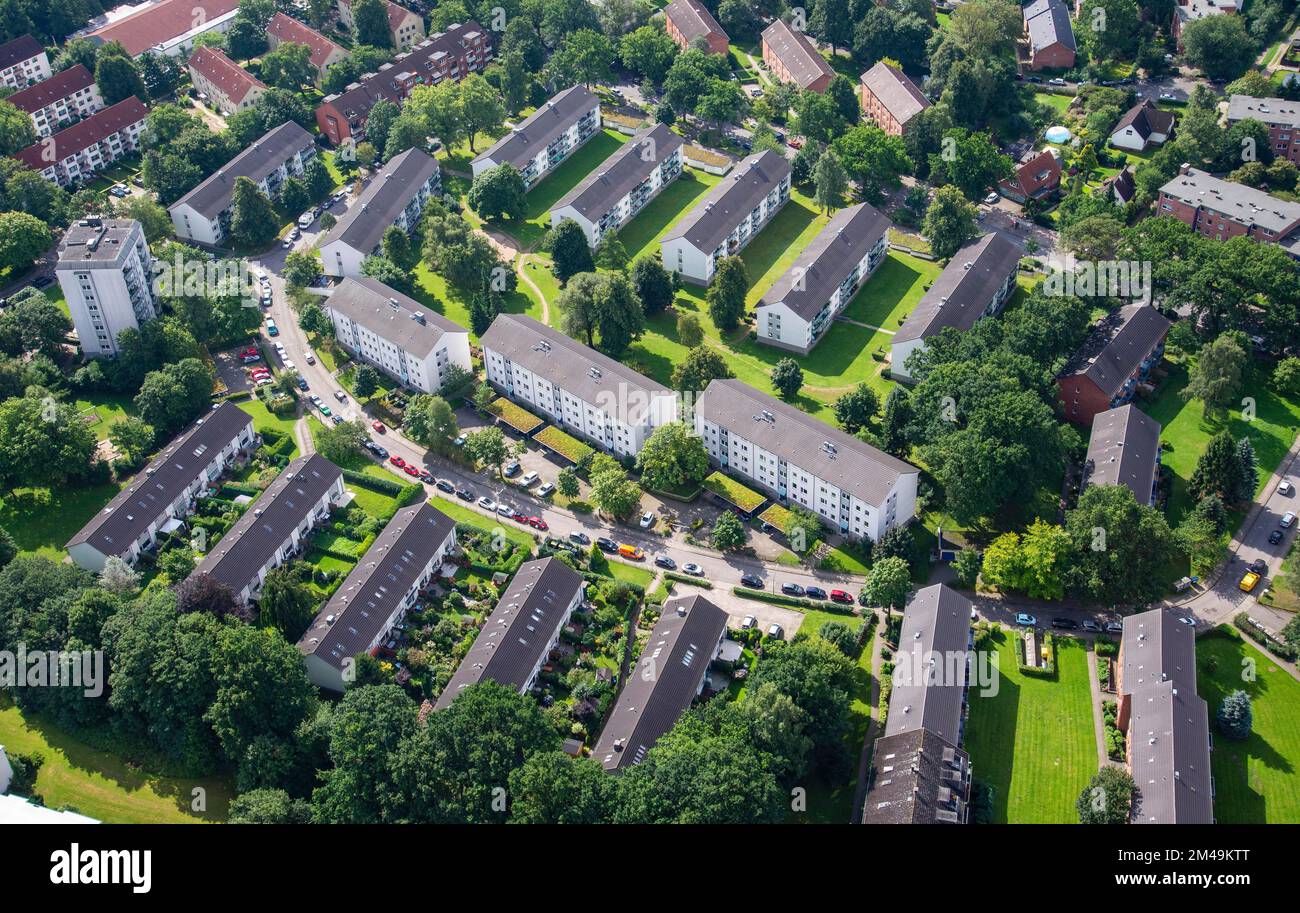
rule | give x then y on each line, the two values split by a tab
858	490
73	155
728	217
106	272
23	62
226	84
546	137
576	387
397	334
623	184
65	97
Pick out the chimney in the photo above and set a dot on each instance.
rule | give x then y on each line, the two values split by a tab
1184	167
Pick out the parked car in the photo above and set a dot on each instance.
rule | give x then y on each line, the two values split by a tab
631	552
814	592
1258	566
538	523
991	198
1288	520
378	426
528	479
397	461
1024	618
690	567
340	396
1065	624
1275	537
465	494
302	384
753	581
511	469
1248	582
545	490
505	510
792	589
411	469
1090	625
775	631
665	562
748	622
444	485
336	419
1114	627
306	219
647	520
842	597
580	538
606	545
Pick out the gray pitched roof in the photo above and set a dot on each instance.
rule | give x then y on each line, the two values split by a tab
798	438
896	92
731	199
399	318
212	197
820	268
664	681
516	634
268	522
930	664
797	52
1157	647
1048	22
591	376
964	289
1274	111
916	777
693	20
1117	346
1169	736
1239	202
363	225
1146	119
1122	450
357	612
627	167
112	530
539	129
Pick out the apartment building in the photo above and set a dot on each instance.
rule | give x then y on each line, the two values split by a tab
1049	37
397	334
588	393
796	311
227	85
1282	118
792	56
1113	362
23	62
453	54
274	528
860	491
546	137
1188	11
72	155
375	597
1142	126
203	214
162	495
728	217
55	103
521	631
1167	723
106	272
667	678
284	29
405	28
622	185
396	196
1036	177
1124	449
167	27
890	99
688	22
1222	209
976	283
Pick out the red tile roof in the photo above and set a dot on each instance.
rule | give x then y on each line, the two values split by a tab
161	22
285	28
1041	173
78	137
397	15
60	85
225	74
18	50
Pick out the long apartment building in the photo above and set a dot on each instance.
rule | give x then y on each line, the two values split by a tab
453	54
161	495
396	196
796	311
1114	360
1124	449
1166	722
728	217
405	28
546	137
622	185
666	679
860	491
168	27
919	772
203	214
397	334
55	103
284	29
1222	209
226	84
23	62
976	283
274	528
87	147
377	594
588	393
105	269
522	630
791	56
1282	118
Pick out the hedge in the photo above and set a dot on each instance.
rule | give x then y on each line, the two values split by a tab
687	578
1047	647
383	486
1278	648
796	602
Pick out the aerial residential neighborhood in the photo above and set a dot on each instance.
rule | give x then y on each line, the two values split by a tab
646	412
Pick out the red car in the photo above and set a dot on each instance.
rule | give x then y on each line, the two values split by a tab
841	597
537	523
412	470
397	461
378	426
519	517
426	476
795	143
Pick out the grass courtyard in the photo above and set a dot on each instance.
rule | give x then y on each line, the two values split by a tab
1033	741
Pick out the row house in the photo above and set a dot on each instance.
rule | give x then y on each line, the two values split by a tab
890	98
1282	118
689	23
1222	209
284	29
791	56
405	28
545	138
1124	449
1113	362
106	272
75	154
228	85
23	62
56	103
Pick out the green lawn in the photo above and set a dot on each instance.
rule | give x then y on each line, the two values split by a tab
262	419
631	573
893	291
1033	741
1058	103
642	235
102	411
1255	781
462	514
41	520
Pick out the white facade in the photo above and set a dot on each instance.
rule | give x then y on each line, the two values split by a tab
1130	138
76	105
340	259
425	372
107	295
556	151
684	258
123	137
622	210
27	72
192	225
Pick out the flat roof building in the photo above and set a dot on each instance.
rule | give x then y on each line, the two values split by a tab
106	271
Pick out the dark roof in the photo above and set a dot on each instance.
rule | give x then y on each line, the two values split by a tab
619	174
896	92
22	48
958	297
519	629
820	268
1122	450
358	611
693	20
84	134
60	85
224	73
1146	119
664	681
95	241
797	53
1117	346
930	664
397	317
539	129
1157	648
1048	22
1122	184
212	197
154	488
731	199
363	225
269	521
160	23
917	777
1169	741
798	438
286	28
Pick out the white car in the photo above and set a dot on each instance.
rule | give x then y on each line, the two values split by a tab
1284	487
289	365
1288	520
647	520
545	490
748	622
529	479
505	510
306	219
487	503
775	631
991	198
